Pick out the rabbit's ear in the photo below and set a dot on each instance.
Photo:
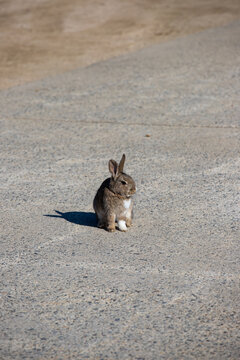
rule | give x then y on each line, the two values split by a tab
121	164
113	168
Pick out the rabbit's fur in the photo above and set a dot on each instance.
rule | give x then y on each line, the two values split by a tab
113	200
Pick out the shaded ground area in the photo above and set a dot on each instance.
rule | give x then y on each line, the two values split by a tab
41	38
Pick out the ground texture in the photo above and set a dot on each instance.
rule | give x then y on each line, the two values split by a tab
41	38
168	288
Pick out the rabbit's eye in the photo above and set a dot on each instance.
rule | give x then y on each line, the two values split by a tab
123	182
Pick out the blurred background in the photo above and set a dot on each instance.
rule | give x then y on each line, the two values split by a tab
39	38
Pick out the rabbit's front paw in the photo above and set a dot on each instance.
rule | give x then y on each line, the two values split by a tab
122	225
129	222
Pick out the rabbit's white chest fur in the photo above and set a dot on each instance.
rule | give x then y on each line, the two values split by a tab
127	203
127	212
127	208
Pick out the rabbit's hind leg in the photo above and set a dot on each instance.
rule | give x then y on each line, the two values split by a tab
110	221
100	224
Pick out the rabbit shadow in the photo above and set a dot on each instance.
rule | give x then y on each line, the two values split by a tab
77	217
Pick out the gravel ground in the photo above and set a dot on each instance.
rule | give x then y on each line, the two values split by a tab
41	38
169	287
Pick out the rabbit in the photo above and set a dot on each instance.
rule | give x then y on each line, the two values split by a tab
113	200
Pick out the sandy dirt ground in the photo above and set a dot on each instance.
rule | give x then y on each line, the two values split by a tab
42	37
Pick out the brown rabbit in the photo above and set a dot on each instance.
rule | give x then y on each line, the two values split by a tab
113	200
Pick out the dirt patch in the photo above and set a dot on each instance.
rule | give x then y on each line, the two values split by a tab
41	38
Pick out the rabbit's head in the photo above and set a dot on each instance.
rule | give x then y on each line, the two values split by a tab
120	183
